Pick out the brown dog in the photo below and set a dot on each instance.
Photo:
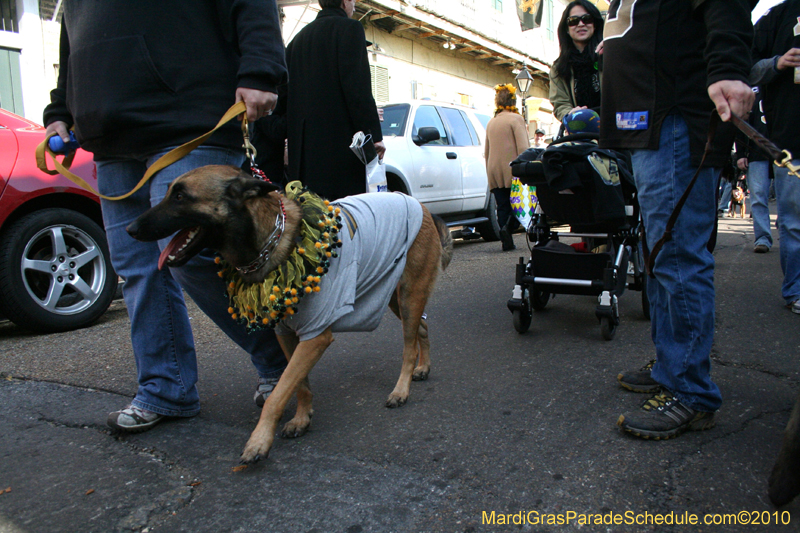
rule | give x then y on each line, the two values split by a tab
222	208
737	198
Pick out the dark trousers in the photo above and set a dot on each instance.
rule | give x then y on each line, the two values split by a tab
502	197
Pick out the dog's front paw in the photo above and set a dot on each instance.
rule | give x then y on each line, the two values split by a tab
254	452
420	374
295	427
395	400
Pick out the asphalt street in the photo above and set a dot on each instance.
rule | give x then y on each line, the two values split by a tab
521	426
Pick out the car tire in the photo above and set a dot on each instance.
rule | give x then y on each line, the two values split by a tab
489	230
51	250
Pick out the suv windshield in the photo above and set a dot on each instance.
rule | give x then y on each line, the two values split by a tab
394	119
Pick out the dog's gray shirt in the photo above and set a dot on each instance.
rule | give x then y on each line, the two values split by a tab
358	286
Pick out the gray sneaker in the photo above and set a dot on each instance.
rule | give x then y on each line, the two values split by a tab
796	307
264	389
133	419
761	248
639	380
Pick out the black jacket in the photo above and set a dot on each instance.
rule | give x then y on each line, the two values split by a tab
137	77
774	36
330	99
659	59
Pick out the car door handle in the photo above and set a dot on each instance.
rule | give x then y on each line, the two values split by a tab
452	155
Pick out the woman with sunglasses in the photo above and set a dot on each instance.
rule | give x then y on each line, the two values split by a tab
575	76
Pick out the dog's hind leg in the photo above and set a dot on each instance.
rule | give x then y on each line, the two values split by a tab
305	356
298	425
416	285
423	367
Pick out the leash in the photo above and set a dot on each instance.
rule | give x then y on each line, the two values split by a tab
162	162
782	158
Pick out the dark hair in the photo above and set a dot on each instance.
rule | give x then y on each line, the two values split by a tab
565	41
330	3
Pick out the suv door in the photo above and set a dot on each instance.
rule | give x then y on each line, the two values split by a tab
437	168
474	183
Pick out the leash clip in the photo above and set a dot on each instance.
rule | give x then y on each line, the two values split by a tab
249	150
786	162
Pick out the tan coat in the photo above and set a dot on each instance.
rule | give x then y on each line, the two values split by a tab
506	138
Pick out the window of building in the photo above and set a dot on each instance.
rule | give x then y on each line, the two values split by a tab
549	25
497	5
380	83
10	85
8	16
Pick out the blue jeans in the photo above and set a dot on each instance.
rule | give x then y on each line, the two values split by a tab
787	191
725	189
160	331
758	185
682	292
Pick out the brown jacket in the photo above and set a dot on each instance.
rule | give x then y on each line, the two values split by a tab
506	138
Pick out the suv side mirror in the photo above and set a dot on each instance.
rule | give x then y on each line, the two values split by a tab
426	135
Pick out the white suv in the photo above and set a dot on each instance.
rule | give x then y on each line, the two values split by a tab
434	152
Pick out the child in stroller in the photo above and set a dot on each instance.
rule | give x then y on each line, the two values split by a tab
591	190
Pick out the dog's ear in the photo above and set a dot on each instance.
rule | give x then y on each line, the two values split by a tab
245	187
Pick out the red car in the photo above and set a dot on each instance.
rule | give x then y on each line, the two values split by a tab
55	268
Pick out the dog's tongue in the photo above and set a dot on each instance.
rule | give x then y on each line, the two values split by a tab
174	245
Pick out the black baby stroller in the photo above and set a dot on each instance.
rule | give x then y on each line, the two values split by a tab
591	190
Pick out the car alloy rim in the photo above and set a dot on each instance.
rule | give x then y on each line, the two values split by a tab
63	269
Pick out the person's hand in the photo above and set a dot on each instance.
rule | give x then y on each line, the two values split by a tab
731	96
599	49
259	103
381	149
576	109
742	163
60	129
789	59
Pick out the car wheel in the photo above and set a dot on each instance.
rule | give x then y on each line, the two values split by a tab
489	230
55	271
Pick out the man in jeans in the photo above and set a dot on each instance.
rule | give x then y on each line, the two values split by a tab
667	64
752	159
776	51
137	79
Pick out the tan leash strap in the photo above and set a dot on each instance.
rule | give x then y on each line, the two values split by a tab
164	161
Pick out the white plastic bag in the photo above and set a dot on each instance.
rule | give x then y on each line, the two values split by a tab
376	176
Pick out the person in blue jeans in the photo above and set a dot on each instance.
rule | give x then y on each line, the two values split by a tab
756	163
662	115
776	70
137	79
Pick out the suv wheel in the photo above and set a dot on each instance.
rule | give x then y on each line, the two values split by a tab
489	230
55	271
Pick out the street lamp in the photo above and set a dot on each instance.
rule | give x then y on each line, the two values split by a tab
524	80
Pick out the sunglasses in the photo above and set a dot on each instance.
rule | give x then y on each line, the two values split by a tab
574	20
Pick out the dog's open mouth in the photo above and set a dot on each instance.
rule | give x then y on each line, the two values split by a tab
183	246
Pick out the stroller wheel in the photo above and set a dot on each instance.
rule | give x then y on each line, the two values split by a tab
522	320
607	328
539	299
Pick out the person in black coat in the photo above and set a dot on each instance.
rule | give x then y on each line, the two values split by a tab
329	100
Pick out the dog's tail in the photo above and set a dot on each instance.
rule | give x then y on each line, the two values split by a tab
445	239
